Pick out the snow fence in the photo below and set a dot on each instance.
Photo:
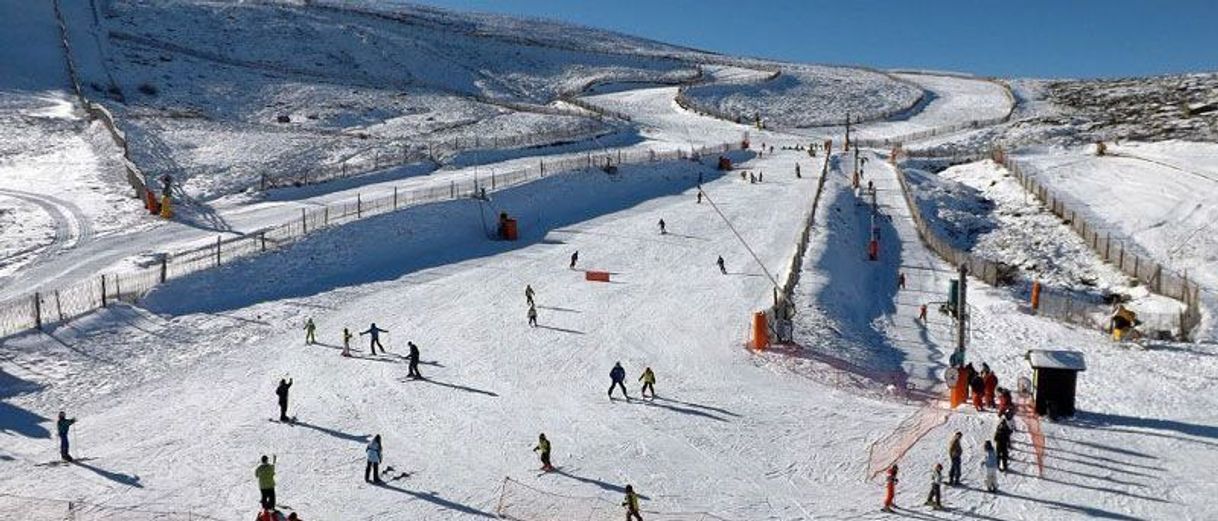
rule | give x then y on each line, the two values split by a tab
520	502
59	305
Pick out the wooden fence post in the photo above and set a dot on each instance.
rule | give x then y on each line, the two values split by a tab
395	198
164	267
37	311
262	238
217	250
103	288
304	222
359	207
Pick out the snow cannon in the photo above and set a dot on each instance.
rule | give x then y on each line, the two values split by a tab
596	276
761	332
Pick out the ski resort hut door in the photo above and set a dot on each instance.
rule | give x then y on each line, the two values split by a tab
1054	379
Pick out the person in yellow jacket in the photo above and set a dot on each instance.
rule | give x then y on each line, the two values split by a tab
543	446
632	504
649	382
266	482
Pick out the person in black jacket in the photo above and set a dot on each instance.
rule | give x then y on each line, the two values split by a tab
618	377
414	361
282	392
1002	443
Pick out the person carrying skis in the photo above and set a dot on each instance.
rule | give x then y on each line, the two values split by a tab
1002	443
617	376
632	504
543	446
266	482
347	342
722	266
954	452
61	426
991	468
373	468
282	392
649	382
414	361
574	258
890	488
990	385
532	316
528	295
663	230
935	497
310	329
374	339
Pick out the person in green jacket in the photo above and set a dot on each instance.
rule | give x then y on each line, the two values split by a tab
543	446
266	482
632	504
310	329
649	382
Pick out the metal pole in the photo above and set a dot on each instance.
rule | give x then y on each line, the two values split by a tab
103	280
164	267
37	311
217	250
961	307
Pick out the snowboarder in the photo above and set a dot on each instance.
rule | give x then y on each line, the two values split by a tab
632	504
901	280
935	497
374	338
722	267
282	392
347	342
528	294
663	231
922	313
414	361
532	316
1002	443
954	452
617	376
543	446
266	482
310	329
373	468
890	488
62	425
990	381
991	468
574	258
649	382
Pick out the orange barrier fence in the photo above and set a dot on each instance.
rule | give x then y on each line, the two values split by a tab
596	276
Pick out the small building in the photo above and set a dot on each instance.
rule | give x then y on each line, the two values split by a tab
1054	381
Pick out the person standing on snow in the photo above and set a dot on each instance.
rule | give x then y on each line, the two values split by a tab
901	280
954	452
890	488
632	504
414	361
617	376
699	196
797	176
935	497
649	382
977	388
663	230
991	468
528	295
922	313
282	392
373	468
989	381
61	426
374	339
574	258
532	316
722	267
347	342
266	482
1002	442
310	329
543	446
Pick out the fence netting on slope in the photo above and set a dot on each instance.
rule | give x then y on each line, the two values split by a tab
520	502
42	509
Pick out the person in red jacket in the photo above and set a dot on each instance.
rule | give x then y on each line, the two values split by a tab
990	380
890	488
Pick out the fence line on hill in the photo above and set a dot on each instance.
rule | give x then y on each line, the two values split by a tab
783	308
42	509
57	305
521	502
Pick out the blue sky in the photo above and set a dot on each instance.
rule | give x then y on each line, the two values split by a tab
1031	38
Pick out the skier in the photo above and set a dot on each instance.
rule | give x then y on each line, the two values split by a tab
414	361
310	328
752	178
922	313
649	382
954	452
574	258
347	342
1002	442
760	176
722	268
663	231
890	488
935	497
632	504
901	280
373	467
62	425
977	387
797	176
699	196
374	339
282	392
991	468
618	375
532	316
528	294
266	482
990	381
543	446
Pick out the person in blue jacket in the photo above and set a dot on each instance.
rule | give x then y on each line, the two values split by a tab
62	426
374	340
618	375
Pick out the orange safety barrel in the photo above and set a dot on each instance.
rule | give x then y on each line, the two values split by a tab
961	388
761	332
509	229
1035	296
596	276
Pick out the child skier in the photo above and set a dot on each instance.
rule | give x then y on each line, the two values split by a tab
935	498
632	504
543	446
374	339
528	295
373	468
347	342
617	376
266	482
890	488
61	426
532	316
649	382
991	468
282	392
414	361
310	329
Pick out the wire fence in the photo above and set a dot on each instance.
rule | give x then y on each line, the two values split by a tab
900	139
520	502
41	509
790	276
59	305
